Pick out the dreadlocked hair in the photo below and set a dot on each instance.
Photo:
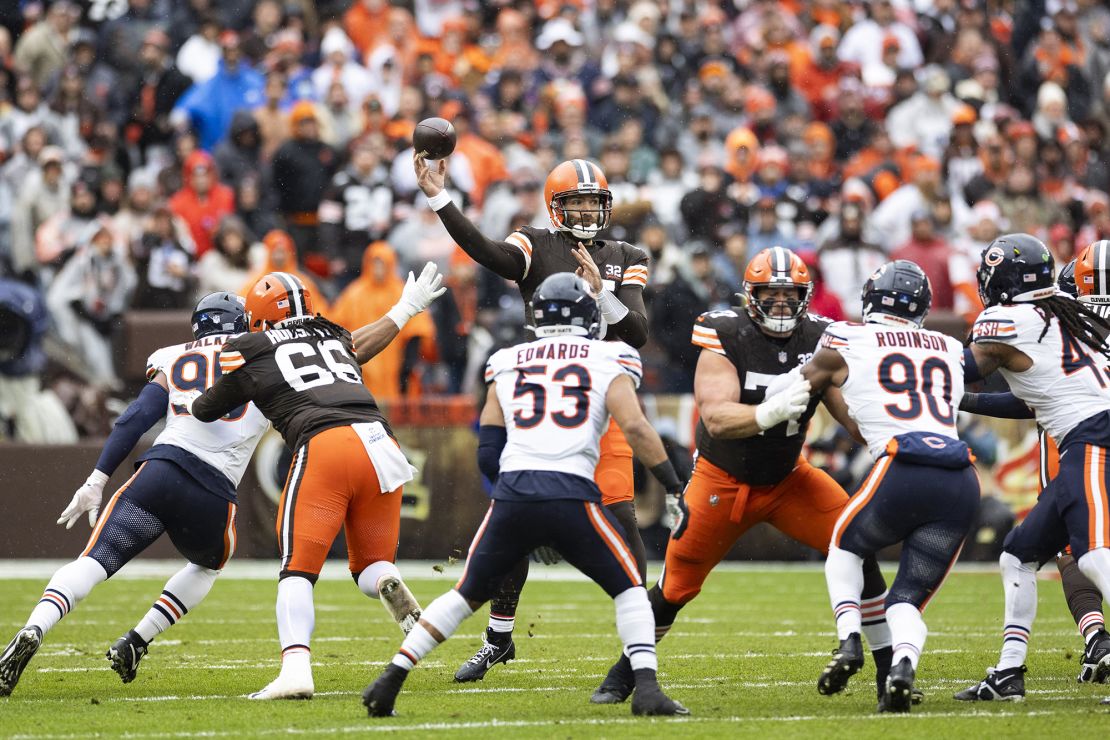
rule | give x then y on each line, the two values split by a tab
1077	320
328	328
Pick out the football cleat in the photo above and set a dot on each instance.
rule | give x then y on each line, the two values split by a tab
399	602
1096	659
652	702
618	684
846	662
1007	685
125	654
286	686
489	655
16	656
899	688
380	696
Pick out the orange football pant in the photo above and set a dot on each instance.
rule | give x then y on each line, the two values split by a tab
613	474
804	505
333	484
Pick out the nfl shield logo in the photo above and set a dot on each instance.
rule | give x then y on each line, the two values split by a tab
782	357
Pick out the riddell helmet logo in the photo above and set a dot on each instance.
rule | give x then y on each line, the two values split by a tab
993	256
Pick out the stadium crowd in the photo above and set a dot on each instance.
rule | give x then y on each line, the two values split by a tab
156	150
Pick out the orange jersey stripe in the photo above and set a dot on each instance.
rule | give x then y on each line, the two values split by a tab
108	510
614	542
860	500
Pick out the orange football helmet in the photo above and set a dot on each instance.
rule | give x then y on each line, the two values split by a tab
773	268
577	177
1092	273
277	296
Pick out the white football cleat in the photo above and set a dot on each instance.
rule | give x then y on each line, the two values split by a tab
286	686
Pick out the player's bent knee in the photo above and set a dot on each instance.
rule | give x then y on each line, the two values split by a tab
310	577
372	575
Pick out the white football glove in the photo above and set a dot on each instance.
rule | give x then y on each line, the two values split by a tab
546	555
418	294
782	382
87	499
789	403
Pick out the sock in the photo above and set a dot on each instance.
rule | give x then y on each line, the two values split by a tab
296	619
369	578
1096	566
502	607
445	614
1019	580
183	592
908	631
873	607
663	611
1084	600
500	627
844	578
69	584
636	625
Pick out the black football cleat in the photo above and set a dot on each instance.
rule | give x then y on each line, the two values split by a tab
652	702
1007	685
380	696
618	684
1096	659
125	654
16	656
846	662
899	688
489	655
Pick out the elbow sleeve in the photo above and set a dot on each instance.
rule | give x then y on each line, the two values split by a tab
971	368
491	442
143	413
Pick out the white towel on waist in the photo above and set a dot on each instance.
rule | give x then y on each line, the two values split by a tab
390	463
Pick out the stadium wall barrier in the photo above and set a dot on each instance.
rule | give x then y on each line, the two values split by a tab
448	498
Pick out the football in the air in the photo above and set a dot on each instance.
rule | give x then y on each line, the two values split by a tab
435	137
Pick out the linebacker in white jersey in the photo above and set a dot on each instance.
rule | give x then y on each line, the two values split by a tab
901	385
548	406
1050	349
184	486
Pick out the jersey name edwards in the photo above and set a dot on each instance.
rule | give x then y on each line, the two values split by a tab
559	351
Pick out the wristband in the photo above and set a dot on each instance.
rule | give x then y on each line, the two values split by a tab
440	200
612	310
763	420
665	474
400	315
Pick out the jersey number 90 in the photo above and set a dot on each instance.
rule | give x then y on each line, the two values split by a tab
193	372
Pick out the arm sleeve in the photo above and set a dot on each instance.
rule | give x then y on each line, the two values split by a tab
633	328
143	413
999	405
230	392
508	259
491	442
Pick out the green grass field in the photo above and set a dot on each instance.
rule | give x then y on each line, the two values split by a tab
744	657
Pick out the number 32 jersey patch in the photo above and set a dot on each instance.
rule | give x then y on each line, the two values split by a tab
552	392
227	444
899	380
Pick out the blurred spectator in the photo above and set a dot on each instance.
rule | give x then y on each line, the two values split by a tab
87	299
249	206
666	185
694	290
149	93
365	23
272	117
863	43
665	255
1053	59
764	229
818	76
1022	206
933	255
846	261
891	219
301	170
280	255
925	120
199	57
61	234
822	301
42	49
227	266
357	207
39	198
207	107
239	155
340	66
202	200
389	375
455	314
852	129
164	264
707	208
31	111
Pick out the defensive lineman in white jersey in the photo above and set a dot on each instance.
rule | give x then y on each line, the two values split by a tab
185	486
901	385
546	410
1049	348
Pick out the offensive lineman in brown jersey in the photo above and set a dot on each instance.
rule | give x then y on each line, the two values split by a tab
748	465
579	204
303	373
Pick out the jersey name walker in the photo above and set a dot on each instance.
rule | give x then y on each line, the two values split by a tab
899	380
225	445
1068	381
552	392
303	378
548	253
768	457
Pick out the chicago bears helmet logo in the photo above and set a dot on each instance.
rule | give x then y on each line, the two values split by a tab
993	256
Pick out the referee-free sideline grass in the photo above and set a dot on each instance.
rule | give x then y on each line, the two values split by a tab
744	657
